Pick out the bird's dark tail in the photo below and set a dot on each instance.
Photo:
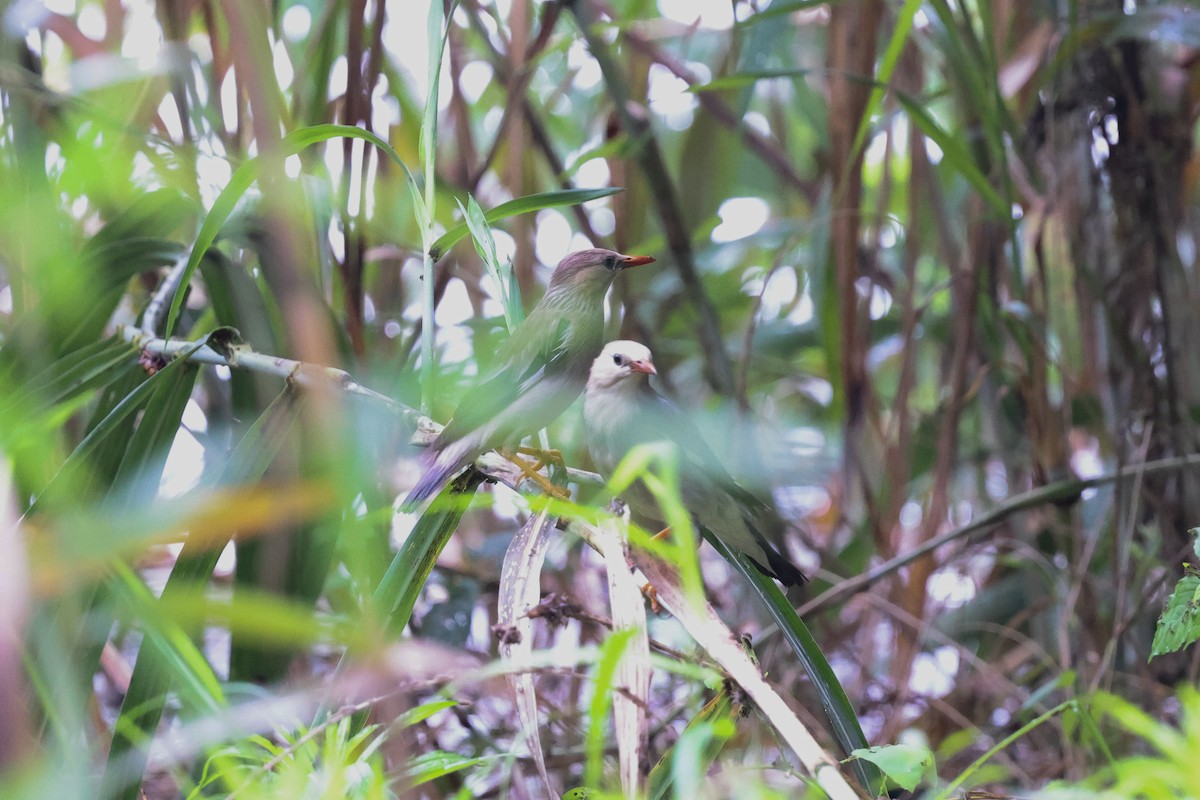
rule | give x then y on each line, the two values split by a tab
440	467
756	549
781	569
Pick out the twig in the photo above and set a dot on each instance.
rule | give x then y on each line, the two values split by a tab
495	466
1061	492
241	355
160	301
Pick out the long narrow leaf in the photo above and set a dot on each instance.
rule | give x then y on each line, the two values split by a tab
402	583
241	180
834	702
152	676
521	205
104	429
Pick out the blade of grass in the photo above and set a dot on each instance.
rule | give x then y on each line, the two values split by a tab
521	205
241	180
682	768
152	676
99	435
703	624
520	590
485	246
834	702
405	577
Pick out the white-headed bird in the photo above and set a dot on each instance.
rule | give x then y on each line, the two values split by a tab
538	371
621	410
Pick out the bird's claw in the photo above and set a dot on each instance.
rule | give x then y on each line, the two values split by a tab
651	595
530	471
545	458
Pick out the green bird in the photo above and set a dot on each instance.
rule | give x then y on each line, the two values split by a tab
621	410
538	371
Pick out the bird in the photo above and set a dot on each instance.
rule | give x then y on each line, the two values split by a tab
537	372
621	410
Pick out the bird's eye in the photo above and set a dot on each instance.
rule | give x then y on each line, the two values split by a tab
610	262
618	360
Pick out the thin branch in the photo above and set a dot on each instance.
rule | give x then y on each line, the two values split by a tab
495	466
1061	492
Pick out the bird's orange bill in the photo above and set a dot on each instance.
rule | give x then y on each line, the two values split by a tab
644	367
636	261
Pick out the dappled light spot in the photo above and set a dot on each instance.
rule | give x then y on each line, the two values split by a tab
716	14
297	20
740	217
553	237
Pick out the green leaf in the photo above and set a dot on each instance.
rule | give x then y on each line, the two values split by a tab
90	367
834	702
1179	624
521	205
427	767
954	152
904	764
146	454
113	420
689	760
485	246
397	593
153	675
241	180
603	675
423	712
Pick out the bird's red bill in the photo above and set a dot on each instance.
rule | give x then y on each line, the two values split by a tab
637	261
644	367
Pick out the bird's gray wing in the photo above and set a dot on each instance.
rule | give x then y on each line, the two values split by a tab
534	352
666	421
721	506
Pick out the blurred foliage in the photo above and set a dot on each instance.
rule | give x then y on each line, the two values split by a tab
918	262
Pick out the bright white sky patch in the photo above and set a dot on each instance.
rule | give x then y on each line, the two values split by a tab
593	174
711	13
803	312
553	238
338	74
475	78
933	673
185	464
168	112
214	173
455	307
283	65
587	71
404	34
296	23
143	37
91	22
668	96
779	292
740	217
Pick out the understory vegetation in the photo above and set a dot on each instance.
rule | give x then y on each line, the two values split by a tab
926	279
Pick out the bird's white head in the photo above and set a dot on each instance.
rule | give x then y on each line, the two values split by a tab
621	362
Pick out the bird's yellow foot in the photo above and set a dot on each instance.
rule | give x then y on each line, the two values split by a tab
530	471
651	595
545	458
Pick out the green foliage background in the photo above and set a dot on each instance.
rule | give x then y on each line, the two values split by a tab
962	277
